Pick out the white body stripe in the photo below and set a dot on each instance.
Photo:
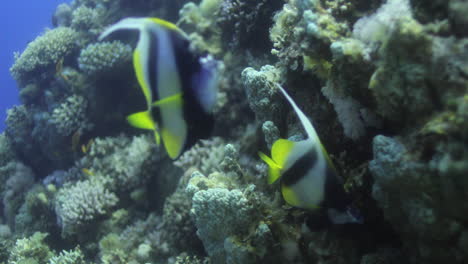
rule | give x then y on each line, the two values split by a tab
143	48
310	189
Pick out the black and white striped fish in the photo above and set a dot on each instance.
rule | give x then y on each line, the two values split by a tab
307	175
179	86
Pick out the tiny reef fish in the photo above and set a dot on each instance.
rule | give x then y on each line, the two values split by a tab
307	176
179	86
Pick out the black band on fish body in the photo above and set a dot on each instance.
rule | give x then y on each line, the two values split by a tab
300	168
200	123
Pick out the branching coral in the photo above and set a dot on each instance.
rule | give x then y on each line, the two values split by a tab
200	19
127	162
218	214
104	57
30	250
71	117
74	256
44	52
204	156
260	88
82	202
84	18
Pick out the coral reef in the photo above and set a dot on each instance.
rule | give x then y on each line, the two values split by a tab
218	214
70	116
31	250
384	83
44	52
81	203
104	58
74	256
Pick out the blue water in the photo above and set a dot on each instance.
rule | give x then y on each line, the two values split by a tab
21	21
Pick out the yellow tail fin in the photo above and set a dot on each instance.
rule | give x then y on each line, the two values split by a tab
274	170
172	143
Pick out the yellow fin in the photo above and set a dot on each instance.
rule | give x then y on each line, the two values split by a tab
142	120
87	172
280	151
274	170
290	196
172	143
140	74
165	24
157	138
173	99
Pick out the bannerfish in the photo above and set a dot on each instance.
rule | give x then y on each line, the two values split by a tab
307	176
178	85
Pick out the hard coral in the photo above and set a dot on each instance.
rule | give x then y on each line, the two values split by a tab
104	57
71	116
218	214
43	53
74	256
82	202
30	250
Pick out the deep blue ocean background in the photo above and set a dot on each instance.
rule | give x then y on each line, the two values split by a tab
21	22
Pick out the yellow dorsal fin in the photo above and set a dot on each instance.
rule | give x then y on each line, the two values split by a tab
280	151
274	170
166	24
142	120
172	143
173	99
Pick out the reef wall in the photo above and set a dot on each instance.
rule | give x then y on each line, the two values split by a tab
385	84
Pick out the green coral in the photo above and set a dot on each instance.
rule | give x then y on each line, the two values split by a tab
44	52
